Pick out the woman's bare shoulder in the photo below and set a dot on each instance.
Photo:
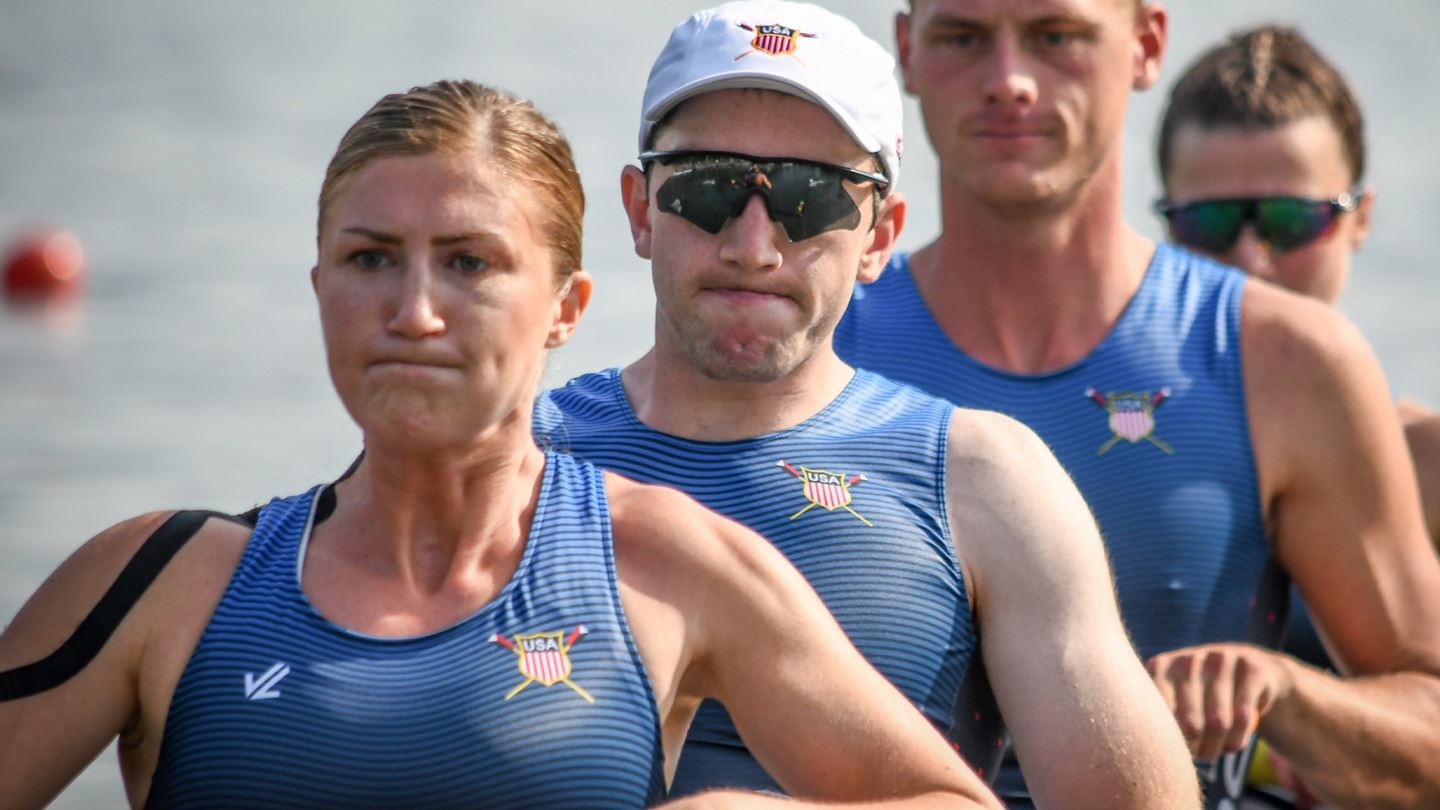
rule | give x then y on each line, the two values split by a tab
72	591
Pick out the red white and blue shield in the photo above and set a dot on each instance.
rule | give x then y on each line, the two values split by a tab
825	489
543	657
775	40
1131	416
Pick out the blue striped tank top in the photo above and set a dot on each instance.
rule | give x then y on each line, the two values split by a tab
854	496
539	699
1151	425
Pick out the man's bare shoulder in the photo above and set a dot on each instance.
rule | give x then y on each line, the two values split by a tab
990	437
991	455
1308	372
1014	512
667	542
1288	338
695	582
651	518
680	552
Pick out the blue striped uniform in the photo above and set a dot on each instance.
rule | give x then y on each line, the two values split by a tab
278	707
1151	425
854	496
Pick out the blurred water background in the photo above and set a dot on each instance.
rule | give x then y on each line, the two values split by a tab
184	144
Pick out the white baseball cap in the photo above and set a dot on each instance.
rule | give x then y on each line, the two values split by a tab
795	48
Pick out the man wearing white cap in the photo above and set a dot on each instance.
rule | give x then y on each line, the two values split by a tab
770	148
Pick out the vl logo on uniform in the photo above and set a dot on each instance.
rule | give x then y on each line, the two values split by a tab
265	686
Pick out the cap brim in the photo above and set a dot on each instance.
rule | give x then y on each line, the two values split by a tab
759	81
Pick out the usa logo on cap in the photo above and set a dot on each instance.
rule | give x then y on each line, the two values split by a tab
776	40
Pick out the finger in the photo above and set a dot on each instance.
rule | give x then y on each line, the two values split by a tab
1184	678
1158	668
1217	674
1251	701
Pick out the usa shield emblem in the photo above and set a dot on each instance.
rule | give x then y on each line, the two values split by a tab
775	40
826	489
544	658
1131	416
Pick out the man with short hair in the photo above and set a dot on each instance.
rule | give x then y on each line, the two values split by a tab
1223	430
770	141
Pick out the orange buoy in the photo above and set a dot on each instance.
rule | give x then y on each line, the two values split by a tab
45	264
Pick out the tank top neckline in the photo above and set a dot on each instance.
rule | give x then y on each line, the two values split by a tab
616	388
537	527
1143	293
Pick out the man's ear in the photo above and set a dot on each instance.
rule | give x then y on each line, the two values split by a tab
888	225
635	196
315	279
902	47
569	306
1363	212
1151	23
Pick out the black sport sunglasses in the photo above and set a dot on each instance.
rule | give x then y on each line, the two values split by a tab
1283	223
806	197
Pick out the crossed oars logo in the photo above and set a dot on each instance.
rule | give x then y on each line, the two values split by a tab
544	657
1131	416
827	489
775	40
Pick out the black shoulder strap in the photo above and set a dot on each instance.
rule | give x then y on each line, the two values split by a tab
87	640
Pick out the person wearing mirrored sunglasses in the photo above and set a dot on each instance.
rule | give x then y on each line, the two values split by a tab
768	160
1263	234
1224	431
1262	164
1262	157
1265	171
